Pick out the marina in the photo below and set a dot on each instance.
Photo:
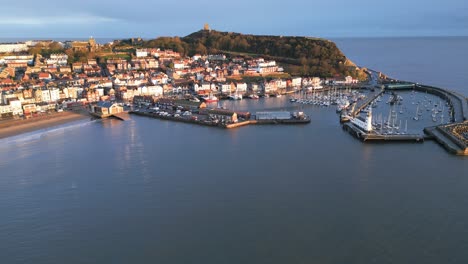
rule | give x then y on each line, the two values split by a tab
426	112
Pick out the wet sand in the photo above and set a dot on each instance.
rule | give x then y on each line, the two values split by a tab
9	128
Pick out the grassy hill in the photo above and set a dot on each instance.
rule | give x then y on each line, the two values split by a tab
298	55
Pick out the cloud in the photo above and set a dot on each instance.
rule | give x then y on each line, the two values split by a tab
75	19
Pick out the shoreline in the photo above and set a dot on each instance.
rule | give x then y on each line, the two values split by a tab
10	128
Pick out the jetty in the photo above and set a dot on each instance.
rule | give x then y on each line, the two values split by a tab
124	116
204	119
360	105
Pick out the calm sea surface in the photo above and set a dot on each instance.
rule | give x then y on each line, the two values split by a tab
151	191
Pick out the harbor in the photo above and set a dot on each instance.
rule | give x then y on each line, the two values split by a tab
405	111
395	111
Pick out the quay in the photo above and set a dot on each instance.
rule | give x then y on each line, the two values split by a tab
225	125
279	121
372	136
124	116
178	119
453	137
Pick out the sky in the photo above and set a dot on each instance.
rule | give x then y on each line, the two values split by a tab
154	18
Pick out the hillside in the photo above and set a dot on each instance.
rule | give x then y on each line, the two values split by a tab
298	55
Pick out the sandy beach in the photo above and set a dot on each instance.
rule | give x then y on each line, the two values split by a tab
9	128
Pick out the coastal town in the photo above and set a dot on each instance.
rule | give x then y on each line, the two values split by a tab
116	78
33	84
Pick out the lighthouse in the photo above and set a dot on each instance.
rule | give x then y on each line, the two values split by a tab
369	121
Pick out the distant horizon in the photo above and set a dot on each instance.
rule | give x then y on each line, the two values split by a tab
320	18
2	39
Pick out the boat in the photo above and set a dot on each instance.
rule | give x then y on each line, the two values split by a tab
235	97
345	117
416	117
210	98
342	104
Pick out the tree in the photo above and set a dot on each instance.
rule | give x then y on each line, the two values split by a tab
35	50
201	49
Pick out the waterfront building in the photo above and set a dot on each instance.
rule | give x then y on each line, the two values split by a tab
350	80
296	82
54	94
45	95
29	108
254	87
278	115
222	115
16	107
185	104
226	88
104	109
241	87
6	111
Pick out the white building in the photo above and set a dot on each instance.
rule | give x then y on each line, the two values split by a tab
255	87
5	109
241	87
13	47
316	83
179	65
141	53
46	96
155	90
54	95
15	106
266	66
217	57
296	82
281	84
100	91
226	88
206	86
58	59
350	80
